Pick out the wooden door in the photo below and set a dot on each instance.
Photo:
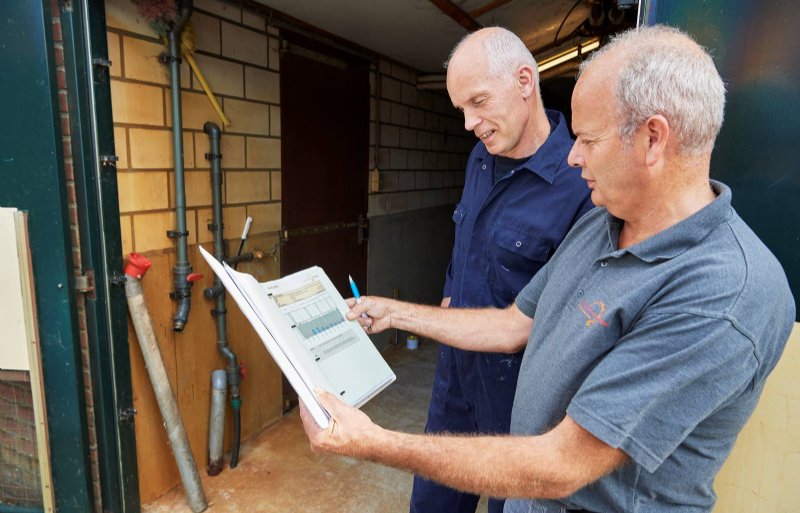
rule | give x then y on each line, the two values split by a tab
325	159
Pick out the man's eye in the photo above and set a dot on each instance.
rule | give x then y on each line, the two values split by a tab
478	102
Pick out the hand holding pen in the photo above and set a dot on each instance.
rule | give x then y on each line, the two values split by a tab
373	313
357	296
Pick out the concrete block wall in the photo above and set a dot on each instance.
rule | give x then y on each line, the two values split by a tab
418	145
239	59
418	152
237	54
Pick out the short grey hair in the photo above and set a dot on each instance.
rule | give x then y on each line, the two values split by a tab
505	51
664	71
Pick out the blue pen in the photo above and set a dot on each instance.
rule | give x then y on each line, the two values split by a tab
356	293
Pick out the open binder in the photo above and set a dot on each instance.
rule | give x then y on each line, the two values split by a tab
300	318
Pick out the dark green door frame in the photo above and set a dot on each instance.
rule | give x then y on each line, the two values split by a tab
755	49
92	135
32	178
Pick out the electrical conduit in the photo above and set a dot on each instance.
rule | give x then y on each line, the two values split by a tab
135	270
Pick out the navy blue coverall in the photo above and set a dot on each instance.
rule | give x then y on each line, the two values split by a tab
505	232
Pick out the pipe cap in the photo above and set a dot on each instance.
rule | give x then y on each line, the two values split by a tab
137	266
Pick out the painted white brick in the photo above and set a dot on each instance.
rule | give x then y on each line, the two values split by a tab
262	85
244	44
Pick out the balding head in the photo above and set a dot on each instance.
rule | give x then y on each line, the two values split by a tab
499	49
663	71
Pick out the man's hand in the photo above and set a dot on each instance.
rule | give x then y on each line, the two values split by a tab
377	309
350	432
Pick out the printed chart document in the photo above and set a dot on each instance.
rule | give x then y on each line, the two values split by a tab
301	320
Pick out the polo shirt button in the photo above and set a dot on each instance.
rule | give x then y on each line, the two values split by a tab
513	171
483	166
604	263
518	243
580	292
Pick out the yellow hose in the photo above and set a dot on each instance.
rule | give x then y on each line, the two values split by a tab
209	93
188	46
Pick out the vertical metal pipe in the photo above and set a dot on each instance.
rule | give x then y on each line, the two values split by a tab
178	441
216	422
218	291
182	268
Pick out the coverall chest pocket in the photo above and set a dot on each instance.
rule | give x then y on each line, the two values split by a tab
459	213
515	256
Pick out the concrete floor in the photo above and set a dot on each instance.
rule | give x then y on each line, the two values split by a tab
277	472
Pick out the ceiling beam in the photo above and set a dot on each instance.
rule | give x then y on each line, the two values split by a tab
494	4
455	12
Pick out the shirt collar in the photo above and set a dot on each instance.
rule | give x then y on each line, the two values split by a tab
547	159
679	237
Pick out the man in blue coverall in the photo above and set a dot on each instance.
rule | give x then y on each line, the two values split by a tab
520	198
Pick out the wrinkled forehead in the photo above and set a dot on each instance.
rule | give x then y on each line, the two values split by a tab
593	97
598	79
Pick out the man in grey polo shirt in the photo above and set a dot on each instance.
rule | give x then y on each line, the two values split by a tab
657	321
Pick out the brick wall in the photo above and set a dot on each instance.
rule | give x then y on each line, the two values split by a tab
418	144
19	465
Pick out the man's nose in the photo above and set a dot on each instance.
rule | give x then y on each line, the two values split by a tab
574	158
470	121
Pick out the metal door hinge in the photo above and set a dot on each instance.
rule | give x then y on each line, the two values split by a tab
117	279
126	415
100	61
108	160
84	283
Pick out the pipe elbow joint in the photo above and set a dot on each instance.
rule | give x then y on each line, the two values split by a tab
182	315
211	129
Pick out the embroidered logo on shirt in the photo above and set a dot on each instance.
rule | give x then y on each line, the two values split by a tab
593	312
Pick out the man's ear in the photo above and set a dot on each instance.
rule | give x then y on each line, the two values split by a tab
657	132
524	78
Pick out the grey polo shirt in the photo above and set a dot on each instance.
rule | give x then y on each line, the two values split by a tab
660	349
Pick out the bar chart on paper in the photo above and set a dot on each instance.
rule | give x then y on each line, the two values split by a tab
314	315
301	320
